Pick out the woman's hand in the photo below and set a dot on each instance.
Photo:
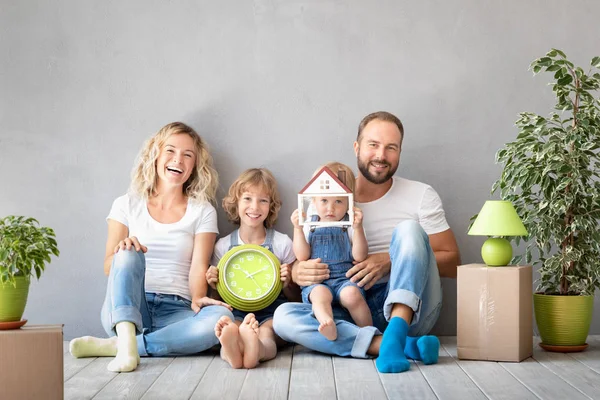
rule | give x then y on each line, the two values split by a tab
212	276
128	243
285	273
199	303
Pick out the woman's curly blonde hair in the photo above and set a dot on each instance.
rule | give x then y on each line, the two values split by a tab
260	178
201	185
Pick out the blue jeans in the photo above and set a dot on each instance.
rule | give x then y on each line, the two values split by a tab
166	324
414	281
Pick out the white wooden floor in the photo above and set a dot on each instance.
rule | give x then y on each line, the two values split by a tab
297	373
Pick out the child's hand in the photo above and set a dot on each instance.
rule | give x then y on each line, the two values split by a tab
212	276
285	273
295	218
358	218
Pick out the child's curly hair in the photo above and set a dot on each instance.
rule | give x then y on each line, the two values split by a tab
254	177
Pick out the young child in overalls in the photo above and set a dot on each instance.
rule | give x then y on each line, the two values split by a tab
253	202
337	247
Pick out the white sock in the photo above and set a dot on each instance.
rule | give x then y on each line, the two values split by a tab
127	358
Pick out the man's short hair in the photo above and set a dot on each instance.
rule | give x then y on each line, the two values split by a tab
382	116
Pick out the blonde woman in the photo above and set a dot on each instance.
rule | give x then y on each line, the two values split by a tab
160	240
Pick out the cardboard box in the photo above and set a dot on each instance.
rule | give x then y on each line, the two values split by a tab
494	313
31	363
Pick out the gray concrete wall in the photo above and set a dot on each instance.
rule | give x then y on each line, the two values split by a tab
280	84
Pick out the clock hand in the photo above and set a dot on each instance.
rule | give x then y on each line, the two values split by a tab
260	270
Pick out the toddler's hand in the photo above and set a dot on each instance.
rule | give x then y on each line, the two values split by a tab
285	274
212	276
358	218
295	218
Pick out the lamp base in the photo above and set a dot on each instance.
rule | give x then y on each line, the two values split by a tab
496	252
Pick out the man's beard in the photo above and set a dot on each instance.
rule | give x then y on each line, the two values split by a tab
377	179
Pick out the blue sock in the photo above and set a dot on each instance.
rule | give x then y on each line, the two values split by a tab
391	352
423	348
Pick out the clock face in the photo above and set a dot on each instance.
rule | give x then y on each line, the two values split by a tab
249	274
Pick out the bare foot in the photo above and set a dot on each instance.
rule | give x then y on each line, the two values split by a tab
89	346
328	329
228	334
249	334
127	358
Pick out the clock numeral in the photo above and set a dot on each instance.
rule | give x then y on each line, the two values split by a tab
268	276
250	257
258	291
248	294
266	285
234	283
240	290
241	260
236	266
231	275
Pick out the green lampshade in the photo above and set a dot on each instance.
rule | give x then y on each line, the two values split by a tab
498	218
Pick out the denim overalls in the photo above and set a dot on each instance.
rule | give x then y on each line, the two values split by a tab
332	245
266	313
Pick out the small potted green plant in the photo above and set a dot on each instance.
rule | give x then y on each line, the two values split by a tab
25	249
551	173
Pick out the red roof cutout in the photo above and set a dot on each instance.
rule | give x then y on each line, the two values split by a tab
329	172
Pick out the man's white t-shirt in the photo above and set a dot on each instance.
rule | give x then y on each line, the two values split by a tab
282	247
406	200
170	246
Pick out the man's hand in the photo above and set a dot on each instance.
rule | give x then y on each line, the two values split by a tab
310	272
198	304
367	273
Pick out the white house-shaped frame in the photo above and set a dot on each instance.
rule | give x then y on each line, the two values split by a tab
325	183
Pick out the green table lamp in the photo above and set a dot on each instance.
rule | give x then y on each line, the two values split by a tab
497	218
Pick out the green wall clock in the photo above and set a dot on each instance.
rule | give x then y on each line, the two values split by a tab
249	277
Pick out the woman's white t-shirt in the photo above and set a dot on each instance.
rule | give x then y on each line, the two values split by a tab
170	246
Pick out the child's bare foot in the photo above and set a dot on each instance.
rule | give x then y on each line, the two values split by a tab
228	334
249	334
328	329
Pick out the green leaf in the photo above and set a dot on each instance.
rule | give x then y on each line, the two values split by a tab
565	80
596	62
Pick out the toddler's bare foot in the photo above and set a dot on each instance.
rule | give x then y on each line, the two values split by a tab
228	334
328	329
249	334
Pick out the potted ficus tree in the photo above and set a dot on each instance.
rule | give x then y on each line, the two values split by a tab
25	249
551	173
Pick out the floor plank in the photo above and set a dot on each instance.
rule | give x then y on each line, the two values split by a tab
133	385
357	379
541	381
448	380
73	365
90	380
407	385
493	380
591	356
270	380
577	374
180	378
220	382
312	375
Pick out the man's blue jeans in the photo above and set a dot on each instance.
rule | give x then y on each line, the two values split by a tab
166	323
414	281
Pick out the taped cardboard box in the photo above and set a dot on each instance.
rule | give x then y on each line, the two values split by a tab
494	313
31	363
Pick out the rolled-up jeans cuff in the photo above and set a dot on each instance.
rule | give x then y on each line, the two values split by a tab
363	340
126	313
401	296
141	345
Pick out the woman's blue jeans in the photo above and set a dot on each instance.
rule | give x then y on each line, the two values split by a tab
166	324
414	281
